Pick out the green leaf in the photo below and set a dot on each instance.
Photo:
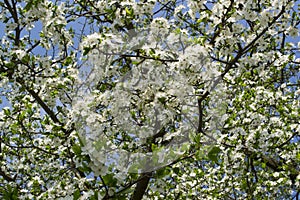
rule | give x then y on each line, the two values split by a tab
109	180
298	156
96	195
213	154
176	170
86	50
28	5
129	12
68	61
152	52
162	100
76	149
76	195
154	147
197	138
10	193
162	172
26	58
42	34
6	111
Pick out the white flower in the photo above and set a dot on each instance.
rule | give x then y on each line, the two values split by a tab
294	32
66	198
178	9
160	26
20	53
250	15
265	17
276	174
86	195
92	39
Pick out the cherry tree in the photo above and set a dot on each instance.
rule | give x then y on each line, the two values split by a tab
149	99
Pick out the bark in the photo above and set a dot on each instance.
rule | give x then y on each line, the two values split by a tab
141	186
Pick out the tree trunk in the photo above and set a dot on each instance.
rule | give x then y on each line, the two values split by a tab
141	186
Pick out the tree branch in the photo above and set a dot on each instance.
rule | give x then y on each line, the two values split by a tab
141	186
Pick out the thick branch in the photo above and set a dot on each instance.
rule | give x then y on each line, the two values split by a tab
141	186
